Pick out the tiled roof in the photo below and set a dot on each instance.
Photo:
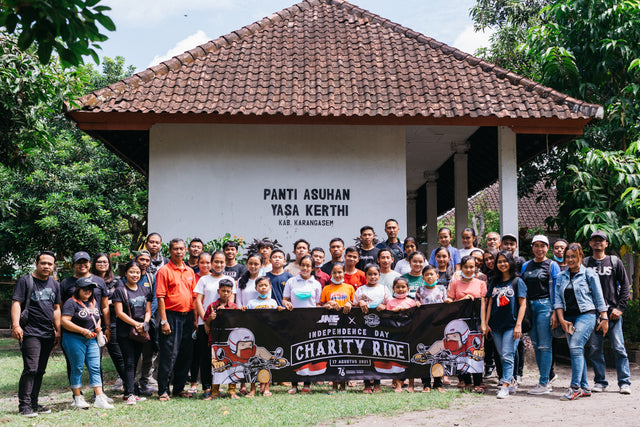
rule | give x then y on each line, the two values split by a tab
330	58
531	211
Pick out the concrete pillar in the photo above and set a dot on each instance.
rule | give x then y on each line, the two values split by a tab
411	213
432	210
461	185
508	175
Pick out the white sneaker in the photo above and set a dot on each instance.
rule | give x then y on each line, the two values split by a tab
80	403
540	389
598	388
625	389
513	387
102	403
131	400
503	393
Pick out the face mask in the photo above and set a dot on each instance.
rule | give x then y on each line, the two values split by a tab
373	305
400	296
334	281
558	259
303	294
431	285
467	277
263	296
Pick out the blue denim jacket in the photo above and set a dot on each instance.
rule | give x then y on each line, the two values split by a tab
586	286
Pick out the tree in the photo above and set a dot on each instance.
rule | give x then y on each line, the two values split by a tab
68	192
68	27
589	50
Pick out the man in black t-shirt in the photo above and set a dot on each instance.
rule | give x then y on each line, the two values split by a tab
153	245
615	290
366	249
195	249
41	332
232	268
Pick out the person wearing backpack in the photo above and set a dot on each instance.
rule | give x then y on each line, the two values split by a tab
35	317
615	288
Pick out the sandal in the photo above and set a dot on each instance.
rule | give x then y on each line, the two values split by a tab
376	388
164	397
267	393
367	390
193	390
441	390
292	390
186	394
206	395
426	390
478	389
233	396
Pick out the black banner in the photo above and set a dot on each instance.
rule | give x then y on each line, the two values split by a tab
317	344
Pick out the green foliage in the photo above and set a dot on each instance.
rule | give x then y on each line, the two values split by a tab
631	324
211	246
67	27
60	189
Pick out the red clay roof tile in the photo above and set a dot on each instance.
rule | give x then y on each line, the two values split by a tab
331	58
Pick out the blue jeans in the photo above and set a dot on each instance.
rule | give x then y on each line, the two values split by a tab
82	351
584	325
541	336
507	346
597	355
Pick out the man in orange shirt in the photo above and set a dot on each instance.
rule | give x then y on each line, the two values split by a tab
175	282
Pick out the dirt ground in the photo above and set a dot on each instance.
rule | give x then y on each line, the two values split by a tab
609	408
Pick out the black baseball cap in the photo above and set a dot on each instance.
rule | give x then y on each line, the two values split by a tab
600	234
85	282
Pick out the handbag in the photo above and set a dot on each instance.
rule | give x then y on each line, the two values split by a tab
101	339
134	335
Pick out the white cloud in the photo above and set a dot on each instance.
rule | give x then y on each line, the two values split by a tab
469	40
145	13
196	39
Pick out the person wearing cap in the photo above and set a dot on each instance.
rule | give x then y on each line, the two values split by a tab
41	332
147	384
80	325
175	282
82	269
540	275
615	288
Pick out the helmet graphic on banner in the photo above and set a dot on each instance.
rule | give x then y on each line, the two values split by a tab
457	326
238	335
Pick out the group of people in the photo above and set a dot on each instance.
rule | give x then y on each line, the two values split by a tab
158	314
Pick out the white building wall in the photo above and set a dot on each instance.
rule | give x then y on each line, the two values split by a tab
209	179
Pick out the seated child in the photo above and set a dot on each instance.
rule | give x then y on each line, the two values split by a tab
431	293
225	289
335	296
371	296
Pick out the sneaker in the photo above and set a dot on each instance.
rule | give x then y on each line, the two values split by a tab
540	389
585	392
41	409
598	388
80	403
29	413
552	378
131	400
147	391
118	385
488	372
625	389
503	393
571	394
102	402
513	387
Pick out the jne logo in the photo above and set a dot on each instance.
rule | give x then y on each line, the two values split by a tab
331	319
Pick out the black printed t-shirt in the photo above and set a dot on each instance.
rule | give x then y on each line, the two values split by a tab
68	287
137	306
82	314
367	257
111	288
44	296
235	272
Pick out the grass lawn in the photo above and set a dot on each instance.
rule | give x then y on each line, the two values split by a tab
280	409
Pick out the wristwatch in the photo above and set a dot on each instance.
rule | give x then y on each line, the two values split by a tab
163	322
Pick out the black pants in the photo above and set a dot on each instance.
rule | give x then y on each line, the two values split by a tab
35	355
194	370
175	352
115	352
203	357
437	382
131	351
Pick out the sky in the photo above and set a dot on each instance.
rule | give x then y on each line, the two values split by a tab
151	31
